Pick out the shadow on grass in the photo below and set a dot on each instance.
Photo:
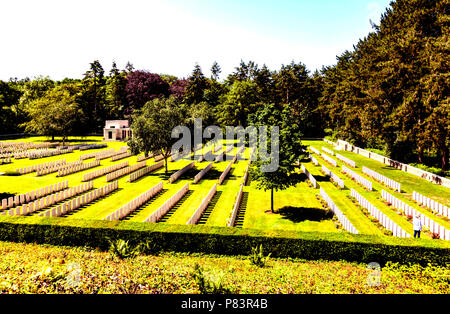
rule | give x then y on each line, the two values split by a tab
299	214
81	140
148	204
212	174
6	195
91	203
305	159
230	176
322	178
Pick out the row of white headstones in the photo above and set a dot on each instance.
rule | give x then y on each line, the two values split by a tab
423	200
387	223
168	205
432	225
49	200
33	195
103	171
435	206
81	200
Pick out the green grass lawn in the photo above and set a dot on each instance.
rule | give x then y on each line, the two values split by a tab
297	208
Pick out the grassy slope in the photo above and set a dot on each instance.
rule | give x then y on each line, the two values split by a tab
31	268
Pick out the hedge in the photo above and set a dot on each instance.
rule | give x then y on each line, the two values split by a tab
225	241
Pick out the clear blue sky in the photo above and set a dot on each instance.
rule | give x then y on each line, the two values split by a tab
60	38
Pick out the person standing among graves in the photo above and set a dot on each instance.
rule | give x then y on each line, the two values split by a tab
417	225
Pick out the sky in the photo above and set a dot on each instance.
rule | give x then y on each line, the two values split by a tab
60	38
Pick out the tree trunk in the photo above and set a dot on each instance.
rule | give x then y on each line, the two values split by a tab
445	156
271	200
420	155
165	161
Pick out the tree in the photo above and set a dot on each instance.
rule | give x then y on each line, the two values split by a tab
129	68
290	150
54	114
244	72
178	89
9	99
238	103
391	91
215	71
92	98
265	84
289	82
195	89
116	93
152	127
143	86
34	89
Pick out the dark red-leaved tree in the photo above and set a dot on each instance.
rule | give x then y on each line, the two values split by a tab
143	86
178	88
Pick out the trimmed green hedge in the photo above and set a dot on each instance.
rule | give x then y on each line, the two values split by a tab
226	241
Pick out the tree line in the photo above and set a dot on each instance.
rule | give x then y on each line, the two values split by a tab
390	93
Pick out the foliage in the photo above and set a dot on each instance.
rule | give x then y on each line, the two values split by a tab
116	94
55	114
89	271
12	173
215	71
122	249
257	257
226	241
290	149
178	89
244	72
92	98
391	92
209	283
196	86
9	97
34	89
143	86
153	124
238	104
149	247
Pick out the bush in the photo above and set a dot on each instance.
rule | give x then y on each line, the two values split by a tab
209	283
225	241
121	249
257	257
376	151
150	248
433	170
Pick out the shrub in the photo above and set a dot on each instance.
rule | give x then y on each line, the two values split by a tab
433	170
257	257
211	283
224	240
435	235
150	248
121	249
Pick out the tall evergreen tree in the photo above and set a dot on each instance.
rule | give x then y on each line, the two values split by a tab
195	89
